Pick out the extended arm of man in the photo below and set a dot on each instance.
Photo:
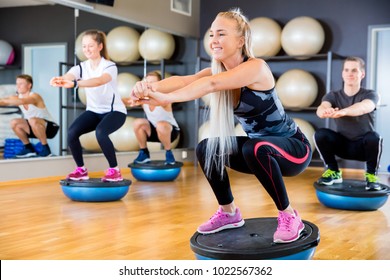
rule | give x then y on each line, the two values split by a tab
325	110
14	100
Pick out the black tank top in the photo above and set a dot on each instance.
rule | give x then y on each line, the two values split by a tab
261	113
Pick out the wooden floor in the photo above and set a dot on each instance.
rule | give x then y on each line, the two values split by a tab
156	220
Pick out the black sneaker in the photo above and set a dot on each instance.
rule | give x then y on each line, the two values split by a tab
330	177
372	182
26	153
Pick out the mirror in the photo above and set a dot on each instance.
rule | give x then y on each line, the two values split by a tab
41	62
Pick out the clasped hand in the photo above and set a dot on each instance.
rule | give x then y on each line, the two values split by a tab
143	93
333	113
61	82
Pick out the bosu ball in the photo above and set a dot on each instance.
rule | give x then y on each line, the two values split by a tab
351	195
155	171
94	190
254	241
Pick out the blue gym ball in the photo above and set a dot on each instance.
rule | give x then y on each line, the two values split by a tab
155	171
94	190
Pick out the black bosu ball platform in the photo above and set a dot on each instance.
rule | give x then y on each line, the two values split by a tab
254	241
351	195
155	171
94	190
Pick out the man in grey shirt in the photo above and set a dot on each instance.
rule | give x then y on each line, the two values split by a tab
352	108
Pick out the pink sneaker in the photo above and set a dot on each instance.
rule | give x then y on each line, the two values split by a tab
220	221
289	227
112	175
79	174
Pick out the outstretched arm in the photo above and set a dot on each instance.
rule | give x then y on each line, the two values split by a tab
15	101
253	73
68	81
360	108
325	110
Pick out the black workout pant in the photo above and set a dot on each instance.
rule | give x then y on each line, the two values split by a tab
104	125
268	158
331	144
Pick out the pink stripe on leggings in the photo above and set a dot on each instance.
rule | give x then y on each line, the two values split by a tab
283	152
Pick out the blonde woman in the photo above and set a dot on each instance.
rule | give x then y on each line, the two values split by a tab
241	86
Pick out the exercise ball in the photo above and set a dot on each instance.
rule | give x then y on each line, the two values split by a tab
266	34
166	74
156	45
352	195
124	138
155	171
156	146
7	53
204	131
82	96
297	89
79	47
239	130
122	44
206	99
7	89
307	129
254	241
302	36
94	190
206	42
89	142
125	83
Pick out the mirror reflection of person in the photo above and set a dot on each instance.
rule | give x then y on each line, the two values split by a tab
352	109
241	86
37	122
105	112
159	125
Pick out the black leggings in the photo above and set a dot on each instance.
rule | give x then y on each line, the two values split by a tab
104	125
331	144
269	158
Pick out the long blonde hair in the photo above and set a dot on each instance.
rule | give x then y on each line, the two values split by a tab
221	143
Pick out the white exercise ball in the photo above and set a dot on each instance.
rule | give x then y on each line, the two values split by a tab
157	146
297	89
239	131
206	42
266	34
79	47
124	138
307	129
122	44
89	142
7	53
156	45
204	131
302	36
82	96
125	83
7	89
206	99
